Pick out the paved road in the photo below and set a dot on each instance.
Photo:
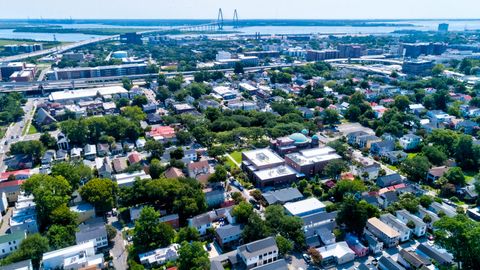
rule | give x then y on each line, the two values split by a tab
14	132
5	221
118	252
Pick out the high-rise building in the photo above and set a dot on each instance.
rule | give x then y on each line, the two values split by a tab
350	50
315	55
414	50
443	27
417	67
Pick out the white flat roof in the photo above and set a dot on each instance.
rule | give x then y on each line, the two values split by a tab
68	250
262	157
304	206
86	93
275	172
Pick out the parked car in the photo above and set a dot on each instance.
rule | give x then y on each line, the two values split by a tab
307	258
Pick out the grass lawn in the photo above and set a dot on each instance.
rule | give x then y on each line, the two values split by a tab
237	156
32	130
2	131
392	167
412	155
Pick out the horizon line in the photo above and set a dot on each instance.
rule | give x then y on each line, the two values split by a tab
245	19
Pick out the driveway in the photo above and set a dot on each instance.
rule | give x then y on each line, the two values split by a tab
118	252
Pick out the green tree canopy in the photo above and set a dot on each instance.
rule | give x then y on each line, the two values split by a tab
101	193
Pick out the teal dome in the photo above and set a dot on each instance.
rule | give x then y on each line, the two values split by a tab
304	132
315	137
298	138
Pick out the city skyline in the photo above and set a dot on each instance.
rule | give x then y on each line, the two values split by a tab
248	9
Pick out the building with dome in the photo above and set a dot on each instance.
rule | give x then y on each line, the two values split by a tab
294	143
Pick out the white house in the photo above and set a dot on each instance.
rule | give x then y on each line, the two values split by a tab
336	254
93	231
159	256
397	225
409	141
73	257
420	226
258	253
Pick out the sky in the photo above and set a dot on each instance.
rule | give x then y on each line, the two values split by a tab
247	9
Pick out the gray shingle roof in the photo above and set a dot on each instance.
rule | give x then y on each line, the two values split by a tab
256	248
228	230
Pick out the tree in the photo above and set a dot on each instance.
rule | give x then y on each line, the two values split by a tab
284	245
237	197
220	174
467	154
416	168
63	216
50	192
315	255
355	214
434	154
426	200
33	148
242	212
335	167
411	224
353	113
101	193
31	248
438	69
156	168
127	83
134	113
344	187
289	227
73	172
455	176
155	148
161	79
48	141
255	229
174	85
401	102
111	232
149	232
187	234
61	236
330	117
461	237
238	69
192	256
139	101
427	219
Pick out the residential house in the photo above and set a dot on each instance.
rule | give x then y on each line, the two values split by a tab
105	169
374	245
420	227
84	211
120	164
394	157
355	245
435	254
21	265
282	196
76	153
159	256
94	231
352	138
409	141
10	242
435	173
214	195
367	140
128	179
61	155
318	228
389	180
305	207
260	252
422	213
385	199
385	233
90	151
103	149
24	216
173	172
387	263
336	254
379	148
134	158
172	219
15	175
371	171
116	149
11	189
63	141
199	170
397	225
228	235
73	257
44	118
48	157
411	260
204	221
442	208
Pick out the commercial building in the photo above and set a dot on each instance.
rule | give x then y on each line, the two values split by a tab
73	257
127	179
267	168
414	50
417	67
70	96
305	207
96	72
443	27
310	162
294	143
7	69
385	233
350	50
224	92
316	55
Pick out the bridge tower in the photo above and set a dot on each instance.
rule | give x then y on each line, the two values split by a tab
235	19
220	19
